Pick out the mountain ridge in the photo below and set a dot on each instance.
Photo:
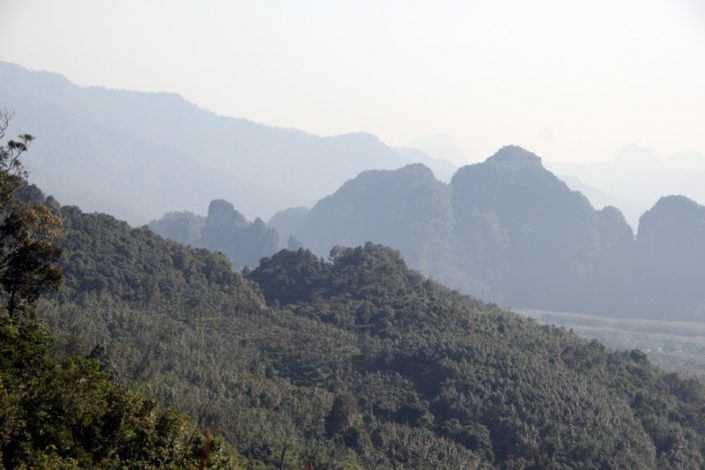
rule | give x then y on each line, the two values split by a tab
262	168
509	231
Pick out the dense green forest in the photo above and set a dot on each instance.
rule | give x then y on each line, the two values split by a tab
68	414
359	362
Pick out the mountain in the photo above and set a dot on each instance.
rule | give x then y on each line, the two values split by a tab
140	155
224	229
288	221
183	226
407	209
632	210
670	257
360	362
527	234
507	230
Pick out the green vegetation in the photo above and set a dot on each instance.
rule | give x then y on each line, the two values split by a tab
359	362
71	415
68	414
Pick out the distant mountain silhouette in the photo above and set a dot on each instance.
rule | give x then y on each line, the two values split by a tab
139	155
224	229
183	227
407	209
670	258
525	233
510	231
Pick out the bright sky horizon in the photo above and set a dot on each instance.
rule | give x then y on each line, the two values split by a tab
569	80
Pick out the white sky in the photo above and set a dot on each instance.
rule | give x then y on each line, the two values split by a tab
569	80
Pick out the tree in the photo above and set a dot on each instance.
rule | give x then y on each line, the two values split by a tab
342	414
28	231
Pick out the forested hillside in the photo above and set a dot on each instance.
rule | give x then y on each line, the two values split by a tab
68	414
360	361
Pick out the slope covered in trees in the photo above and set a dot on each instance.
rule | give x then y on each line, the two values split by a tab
359	360
67	414
70	414
509	231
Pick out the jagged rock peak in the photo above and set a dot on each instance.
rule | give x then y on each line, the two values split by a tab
220	210
513	157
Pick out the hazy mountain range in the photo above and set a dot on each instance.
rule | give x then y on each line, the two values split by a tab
114	143
138	155
509	231
506	230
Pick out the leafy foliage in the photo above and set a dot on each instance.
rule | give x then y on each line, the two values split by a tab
68	414
359	361
27	232
71	415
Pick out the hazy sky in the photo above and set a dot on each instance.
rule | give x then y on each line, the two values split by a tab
570	80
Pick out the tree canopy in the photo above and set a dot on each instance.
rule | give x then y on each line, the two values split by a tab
68	414
28	232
